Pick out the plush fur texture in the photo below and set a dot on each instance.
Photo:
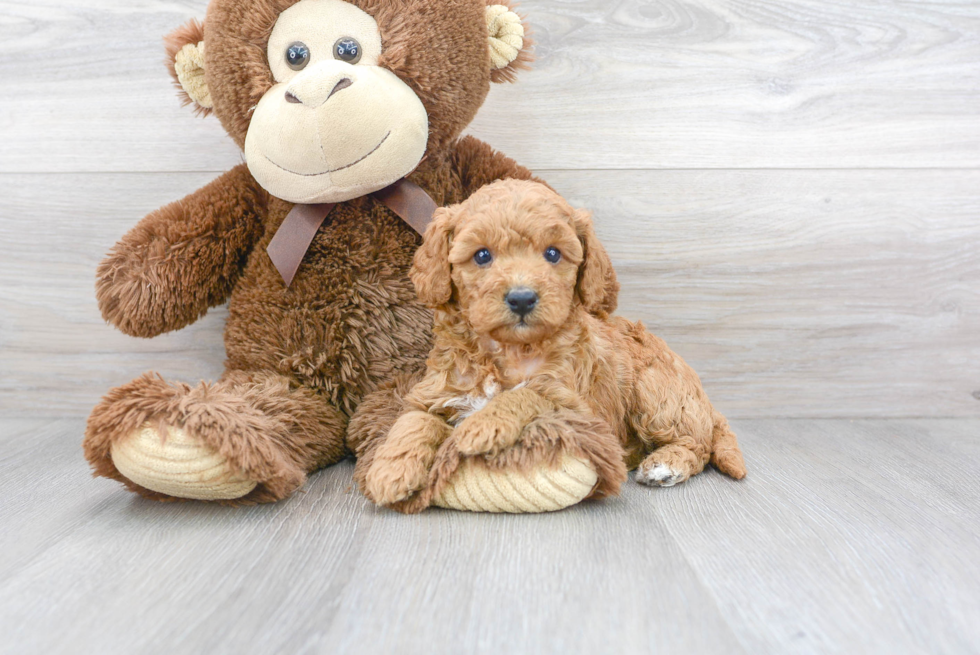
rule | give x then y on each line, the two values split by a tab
191	33
300	359
496	379
272	430
524	57
331	130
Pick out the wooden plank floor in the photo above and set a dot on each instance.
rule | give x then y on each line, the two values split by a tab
847	536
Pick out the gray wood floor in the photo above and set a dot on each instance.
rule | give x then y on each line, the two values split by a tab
848	536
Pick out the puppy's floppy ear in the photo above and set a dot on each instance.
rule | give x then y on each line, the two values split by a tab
430	269
185	60
597	286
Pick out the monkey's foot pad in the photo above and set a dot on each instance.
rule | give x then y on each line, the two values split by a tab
476	488
178	465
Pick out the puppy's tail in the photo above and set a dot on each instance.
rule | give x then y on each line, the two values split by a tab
725	453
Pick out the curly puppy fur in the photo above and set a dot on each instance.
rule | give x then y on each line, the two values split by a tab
494	374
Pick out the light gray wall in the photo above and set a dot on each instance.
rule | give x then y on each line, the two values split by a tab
789	189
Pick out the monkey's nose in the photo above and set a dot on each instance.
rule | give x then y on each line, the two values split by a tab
341	84
312	95
521	300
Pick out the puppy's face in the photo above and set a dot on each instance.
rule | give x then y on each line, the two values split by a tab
514	259
515	270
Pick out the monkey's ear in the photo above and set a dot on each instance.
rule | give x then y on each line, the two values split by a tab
597	288
430	271
510	42
185	59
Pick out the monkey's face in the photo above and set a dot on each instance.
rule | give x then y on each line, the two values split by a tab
336	124
334	99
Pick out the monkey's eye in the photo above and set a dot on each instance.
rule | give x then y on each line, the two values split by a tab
552	254
347	49
482	257
297	56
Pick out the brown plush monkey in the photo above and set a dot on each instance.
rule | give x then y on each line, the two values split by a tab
332	101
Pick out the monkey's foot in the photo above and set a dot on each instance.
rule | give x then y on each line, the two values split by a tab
172	462
475	487
249	438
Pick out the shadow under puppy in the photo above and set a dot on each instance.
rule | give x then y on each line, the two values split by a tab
523	290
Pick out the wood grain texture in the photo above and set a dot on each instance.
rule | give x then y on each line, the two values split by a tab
57	355
792	293
803	293
847	536
871	510
622	84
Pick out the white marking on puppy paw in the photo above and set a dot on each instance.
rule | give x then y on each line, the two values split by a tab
660	475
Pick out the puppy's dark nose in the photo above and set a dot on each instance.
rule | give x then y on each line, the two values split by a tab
521	300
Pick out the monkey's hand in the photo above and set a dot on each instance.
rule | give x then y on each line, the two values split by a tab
182	259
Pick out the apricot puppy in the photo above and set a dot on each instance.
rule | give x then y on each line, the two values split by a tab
523	290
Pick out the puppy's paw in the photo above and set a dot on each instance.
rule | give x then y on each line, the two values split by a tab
487	432
657	474
391	480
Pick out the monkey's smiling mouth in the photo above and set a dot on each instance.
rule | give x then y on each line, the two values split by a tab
332	170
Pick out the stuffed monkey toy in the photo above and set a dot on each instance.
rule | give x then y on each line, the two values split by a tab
349	115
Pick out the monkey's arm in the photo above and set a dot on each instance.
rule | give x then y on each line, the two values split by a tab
479	164
182	259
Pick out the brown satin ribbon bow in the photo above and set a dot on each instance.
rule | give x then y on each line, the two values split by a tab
293	238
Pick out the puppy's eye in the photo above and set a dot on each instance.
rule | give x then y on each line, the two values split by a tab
347	49
552	254
482	257
297	56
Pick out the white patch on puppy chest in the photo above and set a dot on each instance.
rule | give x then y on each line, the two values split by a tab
528	367
471	403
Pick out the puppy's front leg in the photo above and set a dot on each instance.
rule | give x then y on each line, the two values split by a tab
401	464
498	425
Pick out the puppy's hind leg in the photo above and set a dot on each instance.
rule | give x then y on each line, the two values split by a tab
670	465
674	426
682	456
